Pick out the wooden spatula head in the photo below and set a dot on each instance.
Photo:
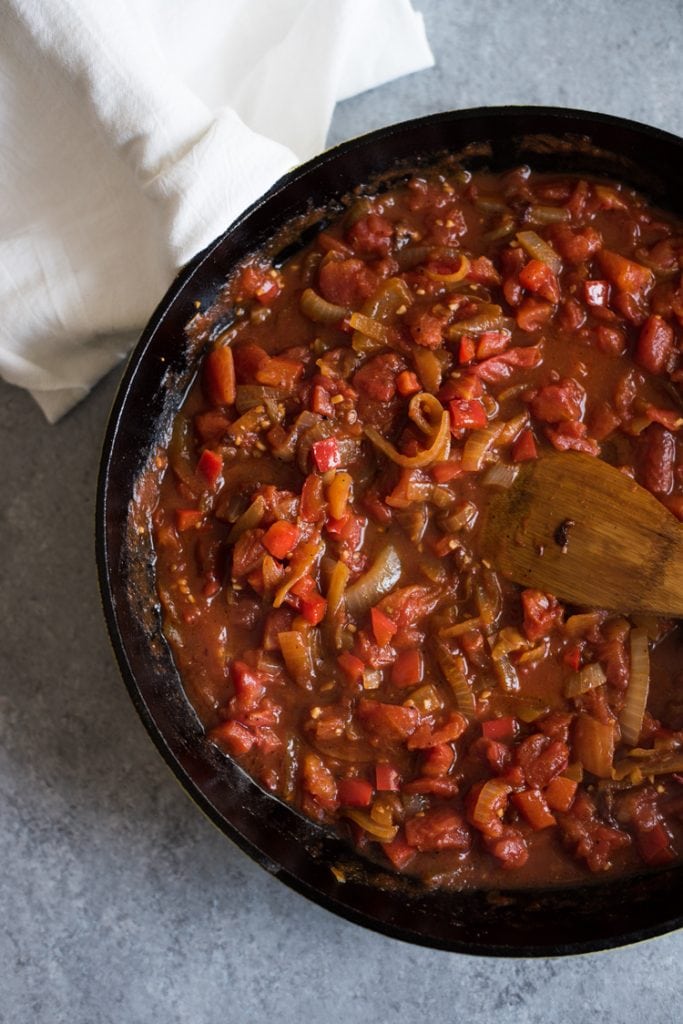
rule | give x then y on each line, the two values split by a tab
576	527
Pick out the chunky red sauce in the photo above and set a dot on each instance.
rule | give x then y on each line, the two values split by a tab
317	529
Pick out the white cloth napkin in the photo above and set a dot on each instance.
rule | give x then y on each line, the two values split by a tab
132	132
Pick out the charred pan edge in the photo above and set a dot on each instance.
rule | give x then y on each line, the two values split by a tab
520	922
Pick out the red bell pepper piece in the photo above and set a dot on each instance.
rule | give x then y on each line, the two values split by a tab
560	792
219	376
408	669
387	779
531	803
501	729
354	792
407	383
326	454
382	626
467	414
351	666
280	538
524	447
210	465
188	518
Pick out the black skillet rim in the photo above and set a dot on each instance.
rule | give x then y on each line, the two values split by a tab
557	120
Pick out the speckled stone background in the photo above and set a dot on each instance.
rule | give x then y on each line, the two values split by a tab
119	902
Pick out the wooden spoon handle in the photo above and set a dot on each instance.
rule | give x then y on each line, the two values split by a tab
576	527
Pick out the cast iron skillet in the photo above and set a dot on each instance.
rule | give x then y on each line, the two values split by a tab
513	923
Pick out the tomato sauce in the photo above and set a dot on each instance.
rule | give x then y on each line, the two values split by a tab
318	565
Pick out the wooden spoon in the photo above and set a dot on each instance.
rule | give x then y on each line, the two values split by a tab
573	526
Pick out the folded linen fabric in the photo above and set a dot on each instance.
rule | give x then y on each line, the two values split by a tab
133	132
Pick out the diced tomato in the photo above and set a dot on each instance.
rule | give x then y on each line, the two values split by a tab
188	518
560	793
572	437
371	235
382	626
654	845
354	792
326	454
533	314
399	852
596	293
408	669
313	608
626	274
348	531
320	401
524	448
387	778
426	330
504	728
377	377
556	403
482	271
575	245
346	282
388	721
537	277
611	340
655	344
210	465
509	847
236	737
281	538
279	372
467	415
542	613
249	685
438	760
501	367
219	376
407	383
424	736
492	343
657	459
442	472
531	804
258	283
669	418
351	666
438	829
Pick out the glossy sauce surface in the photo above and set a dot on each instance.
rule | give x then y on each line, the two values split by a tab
317	528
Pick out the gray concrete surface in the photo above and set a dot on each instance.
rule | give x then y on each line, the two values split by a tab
119	902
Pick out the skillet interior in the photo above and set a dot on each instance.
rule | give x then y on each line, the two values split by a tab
512	923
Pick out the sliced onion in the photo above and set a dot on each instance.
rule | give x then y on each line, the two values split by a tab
633	712
588	678
437	451
546	215
492	800
478	445
371	328
429	369
249	519
505	673
452	277
336	590
247	396
511	428
297	653
453	670
489	317
384	833
318	309
377	582
501	474
461	627
534	245
303	560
